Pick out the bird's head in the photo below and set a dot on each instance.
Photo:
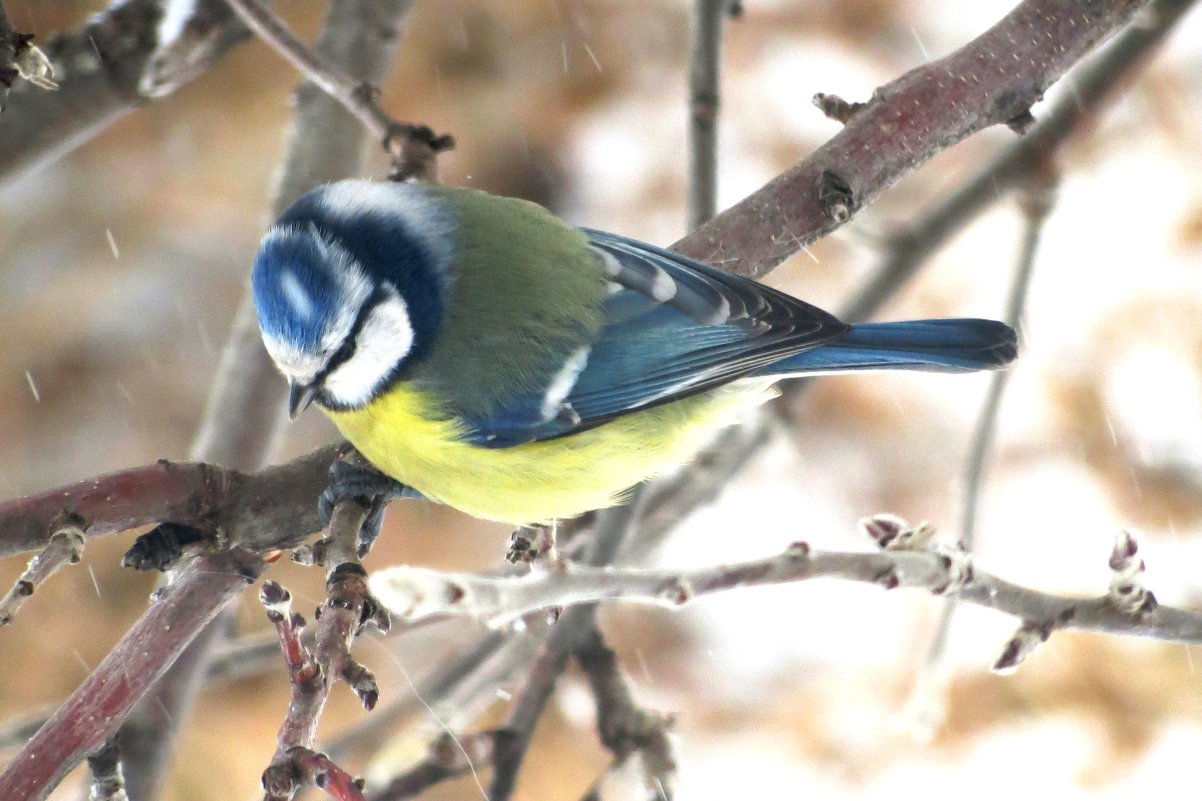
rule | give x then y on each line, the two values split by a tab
346	294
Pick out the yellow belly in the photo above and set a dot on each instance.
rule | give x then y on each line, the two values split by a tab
540	481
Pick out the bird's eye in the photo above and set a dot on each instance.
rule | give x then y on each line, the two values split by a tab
344	353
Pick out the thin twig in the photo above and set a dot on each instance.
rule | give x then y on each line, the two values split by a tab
627	729
705	58
610	531
65	547
1036	203
449	757
314	673
413	148
925	706
923	567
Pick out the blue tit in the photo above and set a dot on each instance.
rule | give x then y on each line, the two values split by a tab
491	357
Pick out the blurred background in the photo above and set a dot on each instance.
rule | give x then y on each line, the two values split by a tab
125	260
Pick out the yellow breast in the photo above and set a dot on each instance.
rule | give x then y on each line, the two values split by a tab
540	481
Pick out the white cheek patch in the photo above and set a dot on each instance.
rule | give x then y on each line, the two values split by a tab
384	341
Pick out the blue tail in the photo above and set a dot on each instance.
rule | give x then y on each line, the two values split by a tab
960	345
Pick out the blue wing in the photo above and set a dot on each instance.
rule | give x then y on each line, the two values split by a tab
673	327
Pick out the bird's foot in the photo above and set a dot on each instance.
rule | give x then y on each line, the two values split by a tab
351	476
163	546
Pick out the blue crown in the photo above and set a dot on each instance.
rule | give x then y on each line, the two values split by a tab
296	288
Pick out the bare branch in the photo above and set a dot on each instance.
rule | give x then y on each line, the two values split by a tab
261	511
346	608
452	686
913	565
611	530
1092	85
413	148
705	58
449	758
92	714
625	727
993	79
312	769
65	547
112	64
925	705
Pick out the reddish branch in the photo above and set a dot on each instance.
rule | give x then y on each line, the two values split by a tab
313	674
98	706
993	79
268	509
1092	85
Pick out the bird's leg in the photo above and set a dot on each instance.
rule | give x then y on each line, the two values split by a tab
351	476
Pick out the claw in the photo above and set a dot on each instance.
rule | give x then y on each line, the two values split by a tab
371	487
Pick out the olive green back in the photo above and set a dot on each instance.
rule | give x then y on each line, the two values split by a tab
526	291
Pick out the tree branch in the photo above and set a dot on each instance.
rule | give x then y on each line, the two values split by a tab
413	148
993	79
262	511
705	59
449	757
1092	85
627	729
411	593
313	674
112	64
610	531
925	705
65	547
97	708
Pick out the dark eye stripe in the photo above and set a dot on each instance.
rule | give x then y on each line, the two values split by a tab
347	350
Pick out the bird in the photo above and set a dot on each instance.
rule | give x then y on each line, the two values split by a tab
487	355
